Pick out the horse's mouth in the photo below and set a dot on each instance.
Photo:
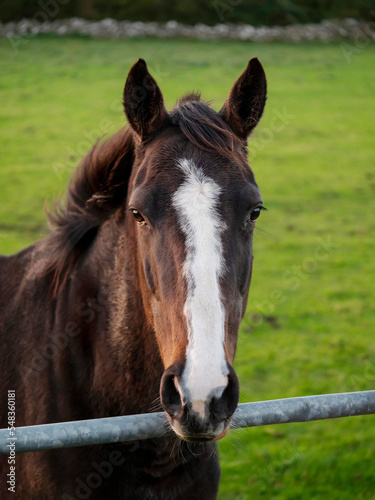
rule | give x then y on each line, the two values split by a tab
205	438
199	439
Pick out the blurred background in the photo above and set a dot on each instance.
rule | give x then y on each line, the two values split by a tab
253	12
309	327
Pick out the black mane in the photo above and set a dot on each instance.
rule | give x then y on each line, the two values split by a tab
97	190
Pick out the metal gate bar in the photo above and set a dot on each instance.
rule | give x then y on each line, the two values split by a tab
155	425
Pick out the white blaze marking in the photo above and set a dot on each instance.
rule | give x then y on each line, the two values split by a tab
196	204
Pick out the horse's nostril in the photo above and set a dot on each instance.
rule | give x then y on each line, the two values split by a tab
222	408
169	395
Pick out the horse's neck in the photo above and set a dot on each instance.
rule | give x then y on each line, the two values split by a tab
125	366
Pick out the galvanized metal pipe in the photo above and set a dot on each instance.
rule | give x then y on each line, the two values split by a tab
155	425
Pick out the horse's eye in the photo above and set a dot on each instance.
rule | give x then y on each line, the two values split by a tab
138	216
255	213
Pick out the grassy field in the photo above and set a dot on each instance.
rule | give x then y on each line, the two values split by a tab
310	323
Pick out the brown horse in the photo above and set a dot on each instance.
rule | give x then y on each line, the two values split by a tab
135	299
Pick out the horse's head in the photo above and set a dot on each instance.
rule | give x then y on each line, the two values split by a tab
193	202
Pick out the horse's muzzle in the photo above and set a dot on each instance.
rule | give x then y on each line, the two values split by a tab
198	421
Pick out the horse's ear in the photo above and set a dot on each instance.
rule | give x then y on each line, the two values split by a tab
143	101
245	104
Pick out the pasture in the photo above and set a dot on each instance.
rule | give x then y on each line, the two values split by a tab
309	328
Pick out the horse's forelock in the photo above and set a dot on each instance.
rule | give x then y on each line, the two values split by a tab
205	128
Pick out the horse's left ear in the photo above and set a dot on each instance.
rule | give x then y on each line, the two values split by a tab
143	101
245	104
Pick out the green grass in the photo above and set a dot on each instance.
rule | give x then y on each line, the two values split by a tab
310	324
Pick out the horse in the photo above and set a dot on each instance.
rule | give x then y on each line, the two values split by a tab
132	303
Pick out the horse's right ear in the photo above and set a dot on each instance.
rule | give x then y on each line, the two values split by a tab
143	101
245	104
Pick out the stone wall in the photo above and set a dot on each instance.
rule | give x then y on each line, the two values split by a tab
347	29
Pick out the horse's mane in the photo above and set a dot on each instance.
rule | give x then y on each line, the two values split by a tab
99	185
98	188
